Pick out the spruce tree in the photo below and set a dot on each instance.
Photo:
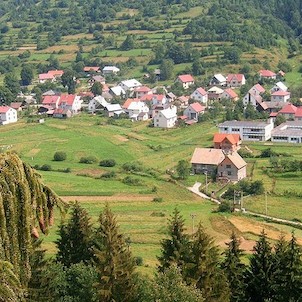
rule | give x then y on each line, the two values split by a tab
260	273
174	248
75	243
287	281
234	269
26	205
203	269
114	261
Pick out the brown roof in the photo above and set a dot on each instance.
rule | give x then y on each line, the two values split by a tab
207	156
236	159
16	105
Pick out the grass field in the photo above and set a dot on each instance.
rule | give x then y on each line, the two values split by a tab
140	218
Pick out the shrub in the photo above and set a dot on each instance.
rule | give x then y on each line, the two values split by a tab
138	260
245	153
130	167
46	167
59	156
157	199
88	160
131	181
224	207
107	163
108	175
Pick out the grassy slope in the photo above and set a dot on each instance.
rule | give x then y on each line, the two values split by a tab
82	135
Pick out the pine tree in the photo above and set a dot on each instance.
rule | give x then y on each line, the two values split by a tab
75	243
174	247
287	281
25	203
114	261
234	269
260	273
203	270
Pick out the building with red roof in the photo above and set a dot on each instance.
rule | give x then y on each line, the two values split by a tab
280	96
51	100
298	114
186	80
141	91
200	95
229	94
267	74
91	68
227	142
8	115
51	76
194	110
235	80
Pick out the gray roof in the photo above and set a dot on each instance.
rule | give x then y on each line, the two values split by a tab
235	123
289	128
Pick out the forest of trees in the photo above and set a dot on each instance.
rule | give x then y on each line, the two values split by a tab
95	263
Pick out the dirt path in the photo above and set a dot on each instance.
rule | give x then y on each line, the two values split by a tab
116	197
195	190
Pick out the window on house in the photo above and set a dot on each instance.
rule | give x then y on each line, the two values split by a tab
228	166
235	129
229	173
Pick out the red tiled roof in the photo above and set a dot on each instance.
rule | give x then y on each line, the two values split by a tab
298	112
45	76
182	117
4	109
288	109
56	73
259	88
142	89
273	114
128	102
184	78
105	88
50	99
91	68
201	91
147	97
280	93
184	98
67	98
197	107
15	105
159	97
231	93
232	138
237	76
266	73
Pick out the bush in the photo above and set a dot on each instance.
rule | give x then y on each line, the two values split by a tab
130	167
245	153
108	175
157	199
131	181
138	260
107	163
88	160
59	156
46	167
224	207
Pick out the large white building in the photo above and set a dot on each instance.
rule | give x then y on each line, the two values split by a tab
288	132
248	130
130	85
7	115
165	118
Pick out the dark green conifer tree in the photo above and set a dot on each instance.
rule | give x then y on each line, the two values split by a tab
114	261
260	273
234	269
174	248
287	281
203	269
75	243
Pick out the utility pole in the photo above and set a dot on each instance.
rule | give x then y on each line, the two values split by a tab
206	174
193	217
265	203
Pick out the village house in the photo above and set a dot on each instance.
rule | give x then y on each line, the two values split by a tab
193	111
270	107
98	103
70	102
233	167
51	75
183	101
136	109
288	132
62	113
279	86
16	105
141	91
298	114
186	80
253	96
215	93
267	75
218	79
117	91
248	130
129	85
171	97
235	80
288	111
165	118
216	162
229	94
8	115
280	96
89	69
227	142
110	70
51	101
113	110
159	99
97	79
200	95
